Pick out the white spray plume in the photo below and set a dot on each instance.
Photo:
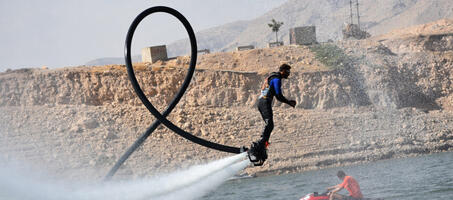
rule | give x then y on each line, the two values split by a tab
186	184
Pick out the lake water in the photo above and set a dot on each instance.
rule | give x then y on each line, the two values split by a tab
424	177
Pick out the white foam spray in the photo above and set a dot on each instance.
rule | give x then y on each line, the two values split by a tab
186	184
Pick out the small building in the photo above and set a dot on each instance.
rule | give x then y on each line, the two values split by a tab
154	53
353	31
205	51
242	48
274	44
305	35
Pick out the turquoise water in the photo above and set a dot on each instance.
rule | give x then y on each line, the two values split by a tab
424	177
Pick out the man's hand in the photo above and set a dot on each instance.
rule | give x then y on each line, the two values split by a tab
331	188
292	103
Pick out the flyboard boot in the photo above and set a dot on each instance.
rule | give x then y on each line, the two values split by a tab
258	153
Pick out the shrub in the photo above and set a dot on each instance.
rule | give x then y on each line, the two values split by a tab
330	55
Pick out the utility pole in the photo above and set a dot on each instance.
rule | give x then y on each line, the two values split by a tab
350	10
358	15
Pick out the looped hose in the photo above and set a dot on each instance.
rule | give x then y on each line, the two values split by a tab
161	118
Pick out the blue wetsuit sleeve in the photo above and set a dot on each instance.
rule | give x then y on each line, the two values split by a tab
276	83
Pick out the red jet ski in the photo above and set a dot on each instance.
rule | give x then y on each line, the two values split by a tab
323	196
316	196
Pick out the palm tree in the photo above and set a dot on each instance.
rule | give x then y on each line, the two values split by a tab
275	26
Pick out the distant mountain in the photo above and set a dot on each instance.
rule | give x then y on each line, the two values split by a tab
329	17
111	61
213	38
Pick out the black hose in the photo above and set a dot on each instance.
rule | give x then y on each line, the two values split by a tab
161	118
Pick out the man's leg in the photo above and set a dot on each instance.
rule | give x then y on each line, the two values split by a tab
267	130
265	109
333	196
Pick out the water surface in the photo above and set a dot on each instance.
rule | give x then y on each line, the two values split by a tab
424	177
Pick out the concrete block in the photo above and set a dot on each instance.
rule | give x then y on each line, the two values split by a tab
154	53
274	44
242	48
305	35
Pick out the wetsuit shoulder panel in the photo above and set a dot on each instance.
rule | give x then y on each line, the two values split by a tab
276	83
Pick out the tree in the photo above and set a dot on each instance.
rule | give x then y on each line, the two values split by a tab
275	26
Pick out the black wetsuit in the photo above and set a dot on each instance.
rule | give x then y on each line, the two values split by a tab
265	103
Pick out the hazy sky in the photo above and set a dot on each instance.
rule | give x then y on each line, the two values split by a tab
57	33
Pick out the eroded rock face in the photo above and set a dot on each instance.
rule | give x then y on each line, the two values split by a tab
397	80
209	88
402	81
